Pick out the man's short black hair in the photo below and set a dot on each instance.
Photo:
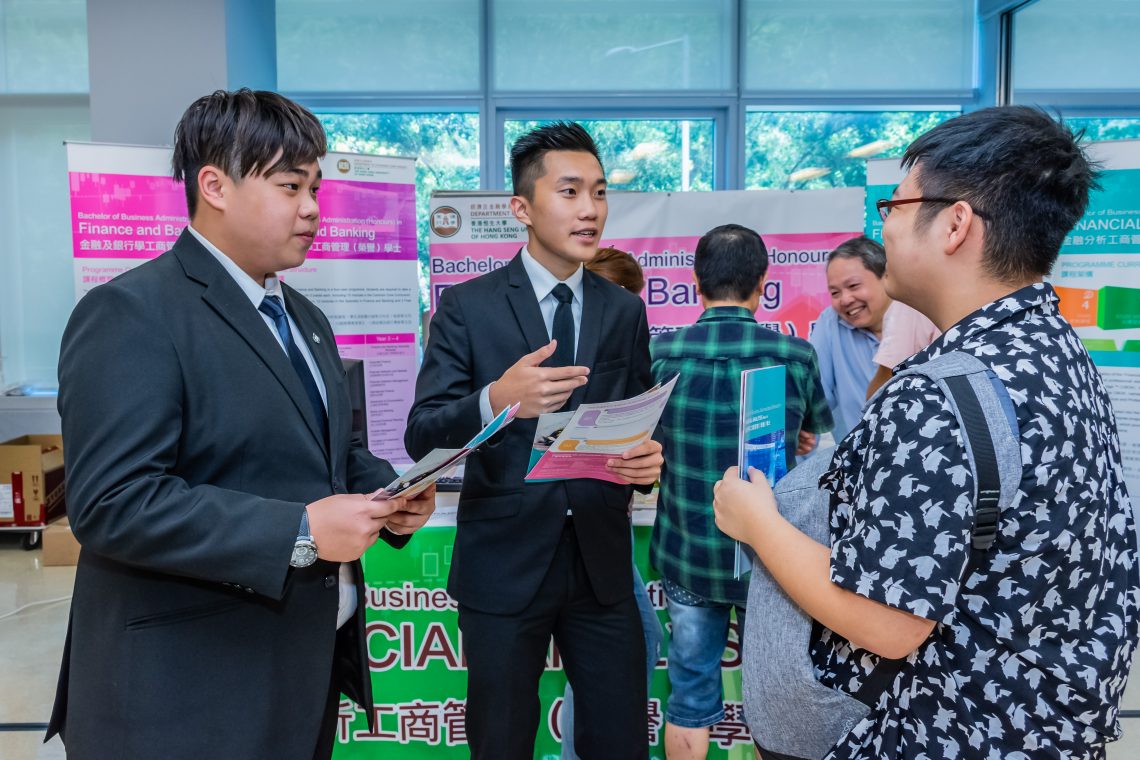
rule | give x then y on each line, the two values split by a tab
241	132
528	151
1024	171
864	249
729	263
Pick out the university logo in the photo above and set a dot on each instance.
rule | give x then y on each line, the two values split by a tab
445	221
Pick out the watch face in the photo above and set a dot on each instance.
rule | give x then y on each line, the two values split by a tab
304	554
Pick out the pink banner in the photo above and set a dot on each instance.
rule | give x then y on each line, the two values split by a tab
375	340
453	263
125	216
361	269
794	294
366	221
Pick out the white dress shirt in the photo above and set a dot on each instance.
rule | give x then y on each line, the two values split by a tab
543	282
256	293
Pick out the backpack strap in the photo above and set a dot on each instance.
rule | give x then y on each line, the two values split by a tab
987	510
977	397
979	401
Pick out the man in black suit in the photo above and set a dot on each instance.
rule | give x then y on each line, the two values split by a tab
533	560
212	480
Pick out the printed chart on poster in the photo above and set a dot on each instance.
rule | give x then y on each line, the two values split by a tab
361	270
474	232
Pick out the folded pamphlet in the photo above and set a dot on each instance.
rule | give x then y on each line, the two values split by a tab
441	462
578	444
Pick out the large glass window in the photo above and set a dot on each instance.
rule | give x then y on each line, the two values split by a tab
35	239
1099	128
808	150
446	147
429	46
43	46
642	154
613	45
1076	45
884	45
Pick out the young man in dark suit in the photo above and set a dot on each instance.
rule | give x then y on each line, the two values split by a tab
535	560
213	482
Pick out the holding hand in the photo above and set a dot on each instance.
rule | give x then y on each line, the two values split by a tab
537	389
743	506
414	515
805	443
345	525
641	465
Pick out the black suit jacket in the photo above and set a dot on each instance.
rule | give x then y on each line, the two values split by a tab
507	529
191	450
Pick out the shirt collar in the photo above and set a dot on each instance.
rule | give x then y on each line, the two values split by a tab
852	328
543	280
254	292
1039	296
726	314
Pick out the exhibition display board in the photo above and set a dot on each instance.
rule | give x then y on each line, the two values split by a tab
1098	279
418	677
361	270
475	232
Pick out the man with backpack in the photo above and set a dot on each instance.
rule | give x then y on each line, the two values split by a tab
1011	617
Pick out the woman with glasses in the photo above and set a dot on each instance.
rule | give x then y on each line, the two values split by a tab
847	333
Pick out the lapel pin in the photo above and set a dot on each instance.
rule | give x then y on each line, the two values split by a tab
316	338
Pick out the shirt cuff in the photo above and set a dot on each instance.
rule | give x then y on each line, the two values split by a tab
485	412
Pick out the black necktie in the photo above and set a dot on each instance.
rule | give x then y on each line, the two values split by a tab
563	331
272	307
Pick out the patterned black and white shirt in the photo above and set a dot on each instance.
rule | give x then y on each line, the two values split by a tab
1030	654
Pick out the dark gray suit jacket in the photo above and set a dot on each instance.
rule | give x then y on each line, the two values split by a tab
508	529
191	451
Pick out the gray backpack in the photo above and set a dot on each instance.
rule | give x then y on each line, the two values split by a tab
790	712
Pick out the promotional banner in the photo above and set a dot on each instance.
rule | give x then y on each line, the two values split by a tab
1098	279
361	269
418	678
474	232
883	176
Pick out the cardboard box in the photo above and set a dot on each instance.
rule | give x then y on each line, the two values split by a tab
60	546
31	480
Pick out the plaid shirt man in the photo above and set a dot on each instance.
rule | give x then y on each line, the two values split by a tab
700	430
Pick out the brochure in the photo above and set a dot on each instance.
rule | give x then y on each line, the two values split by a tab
578	444
441	462
762	443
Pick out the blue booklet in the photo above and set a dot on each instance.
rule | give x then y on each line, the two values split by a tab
762	434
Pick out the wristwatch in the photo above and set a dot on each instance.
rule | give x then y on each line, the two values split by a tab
305	550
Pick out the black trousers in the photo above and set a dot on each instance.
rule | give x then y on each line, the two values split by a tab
346	638
603	652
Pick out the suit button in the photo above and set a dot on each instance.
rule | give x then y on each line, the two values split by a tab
337	486
330	581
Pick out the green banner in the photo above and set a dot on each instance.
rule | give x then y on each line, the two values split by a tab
418	676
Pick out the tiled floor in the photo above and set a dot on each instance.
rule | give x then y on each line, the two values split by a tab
31	641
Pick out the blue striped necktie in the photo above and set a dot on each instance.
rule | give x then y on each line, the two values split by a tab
272	307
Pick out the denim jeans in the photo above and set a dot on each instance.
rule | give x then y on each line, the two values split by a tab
696	645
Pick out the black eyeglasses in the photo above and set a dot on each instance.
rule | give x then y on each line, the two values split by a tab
884	206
